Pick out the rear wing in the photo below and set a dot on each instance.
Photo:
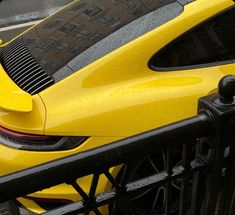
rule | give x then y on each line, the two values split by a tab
12	98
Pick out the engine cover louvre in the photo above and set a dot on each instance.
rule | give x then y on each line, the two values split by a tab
23	69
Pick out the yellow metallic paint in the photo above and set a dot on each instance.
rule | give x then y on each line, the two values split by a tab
114	97
12	98
32	205
13	160
118	95
31	122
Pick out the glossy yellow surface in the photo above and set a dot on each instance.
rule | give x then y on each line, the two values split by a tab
31	122
115	97
12	98
13	159
32	205
119	95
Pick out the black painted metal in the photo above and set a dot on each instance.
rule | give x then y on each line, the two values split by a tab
168	186
61	170
205	174
23	69
130	190
187	148
222	108
199	178
227	88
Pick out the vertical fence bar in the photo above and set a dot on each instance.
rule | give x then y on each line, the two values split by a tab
227	192
197	193
214	178
232	206
168	186
184	194
198	180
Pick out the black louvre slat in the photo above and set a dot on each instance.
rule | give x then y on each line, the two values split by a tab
19	66
15	58
13	51
43	86
13	55
36	86
15	63
23	69
32	80
28	78
11	47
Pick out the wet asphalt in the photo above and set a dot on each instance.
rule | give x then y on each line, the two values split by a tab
15	12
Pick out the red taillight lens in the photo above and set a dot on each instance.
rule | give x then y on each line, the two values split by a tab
38	142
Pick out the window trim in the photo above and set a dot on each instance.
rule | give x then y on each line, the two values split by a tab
198	66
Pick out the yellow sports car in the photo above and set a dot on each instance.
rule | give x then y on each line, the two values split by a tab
100	70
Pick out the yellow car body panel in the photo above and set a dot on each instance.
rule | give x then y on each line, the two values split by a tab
114	97
32	205
118	95
13	160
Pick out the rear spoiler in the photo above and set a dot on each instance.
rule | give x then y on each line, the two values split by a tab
12	98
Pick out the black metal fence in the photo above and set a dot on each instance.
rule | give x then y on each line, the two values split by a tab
183	168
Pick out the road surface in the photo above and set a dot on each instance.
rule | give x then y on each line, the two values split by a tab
18	15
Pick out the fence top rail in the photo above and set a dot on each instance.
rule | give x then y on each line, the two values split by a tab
66	169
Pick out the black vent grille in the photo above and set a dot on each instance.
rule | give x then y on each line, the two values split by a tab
23	69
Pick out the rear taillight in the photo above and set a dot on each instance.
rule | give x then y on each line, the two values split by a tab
38	142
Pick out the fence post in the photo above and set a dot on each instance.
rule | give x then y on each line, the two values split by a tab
218	147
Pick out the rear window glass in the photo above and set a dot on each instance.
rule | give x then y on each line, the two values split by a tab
67	34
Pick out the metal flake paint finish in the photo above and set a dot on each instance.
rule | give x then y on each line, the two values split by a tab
115	96
118	95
